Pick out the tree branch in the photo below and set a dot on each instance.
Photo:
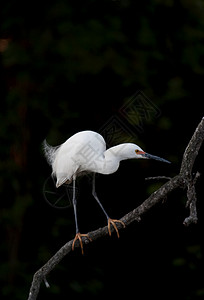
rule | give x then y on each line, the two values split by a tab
191	203
158	178
183	180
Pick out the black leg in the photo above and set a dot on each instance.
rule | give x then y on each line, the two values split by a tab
110	221
75	204
96	197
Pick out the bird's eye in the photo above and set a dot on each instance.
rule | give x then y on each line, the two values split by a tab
137	151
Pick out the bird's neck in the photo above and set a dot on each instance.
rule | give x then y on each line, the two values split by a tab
109	161
112	158
119	152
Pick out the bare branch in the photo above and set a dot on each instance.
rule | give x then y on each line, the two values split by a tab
158	178
46	283
191	202
192	149
183	180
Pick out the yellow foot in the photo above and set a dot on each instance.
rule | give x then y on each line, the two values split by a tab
111	221
79	237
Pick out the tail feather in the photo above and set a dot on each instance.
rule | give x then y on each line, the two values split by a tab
49	152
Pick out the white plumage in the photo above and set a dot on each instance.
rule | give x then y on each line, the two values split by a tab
86	151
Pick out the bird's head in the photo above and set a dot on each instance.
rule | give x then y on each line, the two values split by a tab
139	153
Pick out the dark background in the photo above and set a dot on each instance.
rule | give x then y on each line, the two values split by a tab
71	65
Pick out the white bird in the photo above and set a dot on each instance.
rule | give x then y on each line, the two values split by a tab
86	151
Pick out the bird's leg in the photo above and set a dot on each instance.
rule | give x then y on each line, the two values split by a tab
110	221
96	197
78	235
75	204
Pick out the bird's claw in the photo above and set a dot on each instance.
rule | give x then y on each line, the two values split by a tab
79	237
111	221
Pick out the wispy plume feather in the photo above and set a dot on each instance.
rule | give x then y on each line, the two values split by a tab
49	152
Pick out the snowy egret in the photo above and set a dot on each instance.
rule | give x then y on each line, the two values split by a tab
84	152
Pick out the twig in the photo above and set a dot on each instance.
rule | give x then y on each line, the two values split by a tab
182	180
46	283
158	178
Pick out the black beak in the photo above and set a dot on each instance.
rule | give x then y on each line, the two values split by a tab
147	155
